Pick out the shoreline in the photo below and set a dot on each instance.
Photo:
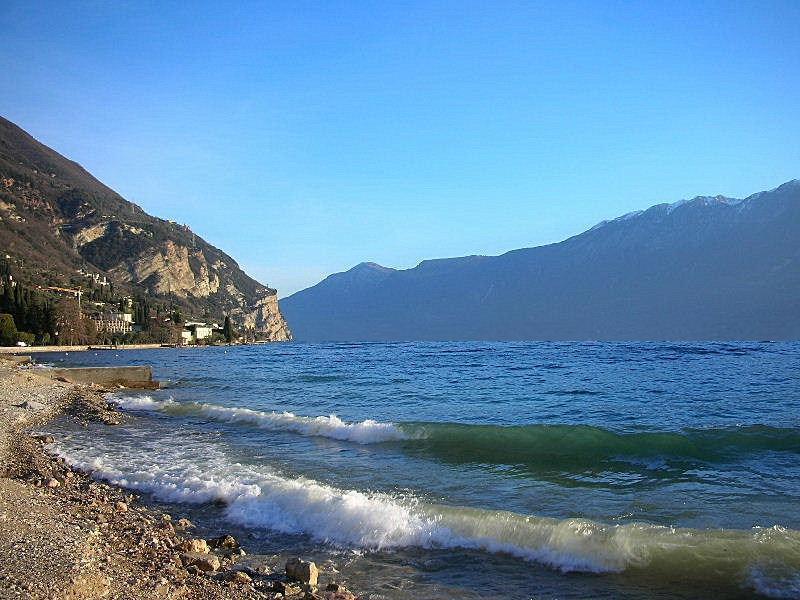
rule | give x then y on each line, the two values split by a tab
12	350
66	535
42	349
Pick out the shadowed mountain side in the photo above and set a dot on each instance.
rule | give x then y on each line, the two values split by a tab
706	268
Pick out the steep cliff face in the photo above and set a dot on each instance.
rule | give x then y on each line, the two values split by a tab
56	219
171	268
266	317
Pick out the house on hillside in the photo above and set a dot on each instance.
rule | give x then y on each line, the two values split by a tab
193	331
114	322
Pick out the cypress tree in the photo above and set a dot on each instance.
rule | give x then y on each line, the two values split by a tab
19	307
227	329
8	302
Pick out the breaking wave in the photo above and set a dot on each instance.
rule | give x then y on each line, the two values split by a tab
583	446
552	445
362	432
766	560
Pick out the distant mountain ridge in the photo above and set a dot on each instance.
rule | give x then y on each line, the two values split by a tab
706	268
56	219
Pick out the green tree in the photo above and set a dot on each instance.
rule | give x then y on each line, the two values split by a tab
8	300
162	332
227	330
28	338
8	330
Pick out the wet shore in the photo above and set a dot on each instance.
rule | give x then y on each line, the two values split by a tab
64	535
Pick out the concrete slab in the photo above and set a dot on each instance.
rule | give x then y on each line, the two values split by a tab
129	377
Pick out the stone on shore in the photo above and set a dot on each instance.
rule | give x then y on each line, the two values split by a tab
183	525
240	577
167	527
31	405
227	542
336	591
203	562
287	588
198	546
302	570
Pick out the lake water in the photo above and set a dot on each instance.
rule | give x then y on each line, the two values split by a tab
478	470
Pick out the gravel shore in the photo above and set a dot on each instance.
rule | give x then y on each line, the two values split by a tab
64	535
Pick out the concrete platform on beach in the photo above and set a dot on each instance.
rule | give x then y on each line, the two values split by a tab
15	359
129	377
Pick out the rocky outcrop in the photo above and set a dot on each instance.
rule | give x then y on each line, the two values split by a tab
90	234
266	319
57	220
172	269
303	571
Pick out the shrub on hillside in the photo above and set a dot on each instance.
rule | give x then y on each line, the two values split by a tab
28	338
8	330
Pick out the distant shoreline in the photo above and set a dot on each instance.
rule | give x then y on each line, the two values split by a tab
86	348
38	349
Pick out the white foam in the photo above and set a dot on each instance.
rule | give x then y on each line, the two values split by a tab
362	432
139	402
181	468
257	498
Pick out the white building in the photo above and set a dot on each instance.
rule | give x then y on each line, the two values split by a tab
121	316
196	330
113	323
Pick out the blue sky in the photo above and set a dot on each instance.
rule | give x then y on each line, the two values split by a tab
305	137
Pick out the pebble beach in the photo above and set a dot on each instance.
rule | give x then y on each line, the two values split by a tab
65	535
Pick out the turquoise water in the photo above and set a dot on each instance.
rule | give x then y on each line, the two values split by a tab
461	470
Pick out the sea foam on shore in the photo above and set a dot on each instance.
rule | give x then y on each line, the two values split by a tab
259	497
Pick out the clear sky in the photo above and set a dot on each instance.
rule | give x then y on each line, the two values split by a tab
306	137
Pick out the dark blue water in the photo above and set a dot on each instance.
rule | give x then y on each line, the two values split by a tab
454	470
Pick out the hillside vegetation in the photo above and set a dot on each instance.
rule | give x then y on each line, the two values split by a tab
59	226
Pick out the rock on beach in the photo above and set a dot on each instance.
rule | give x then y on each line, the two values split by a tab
197	546
302	571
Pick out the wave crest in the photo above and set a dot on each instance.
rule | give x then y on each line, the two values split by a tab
537	445
368	431
765	559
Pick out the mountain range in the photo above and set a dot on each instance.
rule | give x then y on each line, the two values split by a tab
711	268
58	223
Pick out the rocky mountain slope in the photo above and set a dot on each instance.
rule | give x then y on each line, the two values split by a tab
706	268
57	219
